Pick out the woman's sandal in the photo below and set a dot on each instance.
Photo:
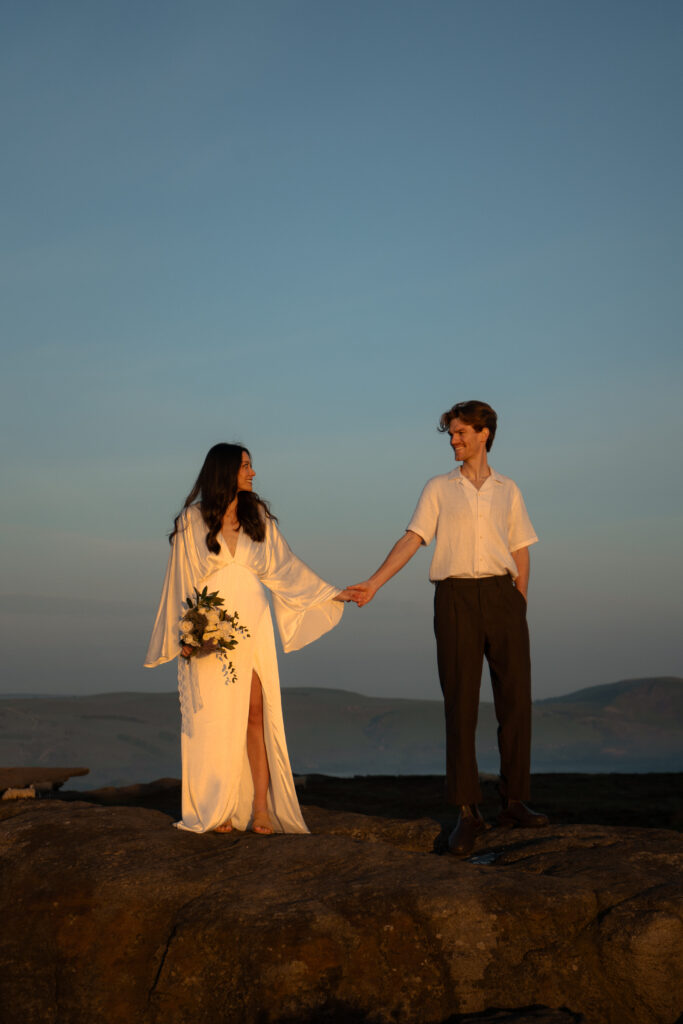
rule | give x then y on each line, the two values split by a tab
225	827
261	824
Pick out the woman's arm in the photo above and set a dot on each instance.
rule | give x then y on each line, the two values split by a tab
305	605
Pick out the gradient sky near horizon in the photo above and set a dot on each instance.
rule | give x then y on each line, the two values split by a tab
312	226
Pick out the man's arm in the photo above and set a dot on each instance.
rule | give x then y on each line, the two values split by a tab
521	557
401	553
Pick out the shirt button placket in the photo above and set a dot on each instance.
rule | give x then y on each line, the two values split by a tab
478	565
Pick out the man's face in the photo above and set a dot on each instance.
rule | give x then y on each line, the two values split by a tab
466	442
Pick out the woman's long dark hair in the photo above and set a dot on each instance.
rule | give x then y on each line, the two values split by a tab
216	487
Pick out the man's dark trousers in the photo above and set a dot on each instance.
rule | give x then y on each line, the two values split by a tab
473	619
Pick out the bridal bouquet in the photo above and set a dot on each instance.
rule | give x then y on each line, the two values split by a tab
207	628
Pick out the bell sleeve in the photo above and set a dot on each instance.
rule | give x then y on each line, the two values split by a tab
183	572
304	604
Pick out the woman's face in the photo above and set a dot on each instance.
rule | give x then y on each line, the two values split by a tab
245	474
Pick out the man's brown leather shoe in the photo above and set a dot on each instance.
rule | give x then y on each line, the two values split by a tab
518	815
462	838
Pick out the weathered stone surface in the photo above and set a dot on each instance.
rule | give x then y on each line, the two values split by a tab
40	777
111	915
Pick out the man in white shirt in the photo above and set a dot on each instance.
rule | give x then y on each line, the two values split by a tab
480	570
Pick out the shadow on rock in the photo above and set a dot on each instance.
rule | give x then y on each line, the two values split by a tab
523	1015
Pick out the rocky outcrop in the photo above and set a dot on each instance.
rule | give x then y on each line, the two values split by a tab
111	915
27	783
41	778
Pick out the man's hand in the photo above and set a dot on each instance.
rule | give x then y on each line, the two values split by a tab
522	561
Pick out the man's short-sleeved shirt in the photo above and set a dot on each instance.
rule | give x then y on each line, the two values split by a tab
476	530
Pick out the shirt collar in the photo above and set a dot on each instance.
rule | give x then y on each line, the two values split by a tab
455	474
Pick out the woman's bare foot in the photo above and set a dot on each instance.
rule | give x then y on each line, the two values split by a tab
225	827
261	824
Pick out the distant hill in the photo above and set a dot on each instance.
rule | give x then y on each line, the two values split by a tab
634	725
662	695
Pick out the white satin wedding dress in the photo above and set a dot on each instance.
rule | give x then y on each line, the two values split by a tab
217	783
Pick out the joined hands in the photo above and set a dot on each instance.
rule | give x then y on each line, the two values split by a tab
359	593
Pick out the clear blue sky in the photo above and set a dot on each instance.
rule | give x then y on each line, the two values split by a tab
313	226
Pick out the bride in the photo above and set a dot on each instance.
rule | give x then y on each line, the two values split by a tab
235	765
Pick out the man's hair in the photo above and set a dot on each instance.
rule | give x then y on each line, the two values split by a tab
476	414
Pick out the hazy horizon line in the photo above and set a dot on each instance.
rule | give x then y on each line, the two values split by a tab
332	689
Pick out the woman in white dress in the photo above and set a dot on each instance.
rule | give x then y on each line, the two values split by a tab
235	765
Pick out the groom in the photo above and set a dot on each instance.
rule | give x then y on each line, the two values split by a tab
480	570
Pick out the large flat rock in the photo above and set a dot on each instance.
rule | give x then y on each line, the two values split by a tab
38	776
111	915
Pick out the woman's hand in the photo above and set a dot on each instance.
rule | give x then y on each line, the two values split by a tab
206	648
346	595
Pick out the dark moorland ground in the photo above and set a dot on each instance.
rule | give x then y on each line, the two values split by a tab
645	801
